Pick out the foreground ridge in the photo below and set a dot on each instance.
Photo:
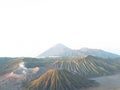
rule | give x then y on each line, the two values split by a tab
55	79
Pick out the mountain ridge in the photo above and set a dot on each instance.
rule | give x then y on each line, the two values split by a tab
88	66
60	50
55	79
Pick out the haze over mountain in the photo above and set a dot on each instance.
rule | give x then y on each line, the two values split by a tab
59	80
60	50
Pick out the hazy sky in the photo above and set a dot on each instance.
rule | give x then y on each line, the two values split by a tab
28	27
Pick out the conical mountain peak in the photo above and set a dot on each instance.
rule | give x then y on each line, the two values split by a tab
57	50
60	45
59	80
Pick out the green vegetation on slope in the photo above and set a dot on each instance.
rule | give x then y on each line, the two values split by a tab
4	60
10	66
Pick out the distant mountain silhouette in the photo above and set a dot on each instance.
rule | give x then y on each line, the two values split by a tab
60	50
57	50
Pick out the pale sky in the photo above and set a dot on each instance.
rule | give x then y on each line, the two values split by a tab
29	27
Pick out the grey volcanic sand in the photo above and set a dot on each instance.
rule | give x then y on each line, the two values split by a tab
107	83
